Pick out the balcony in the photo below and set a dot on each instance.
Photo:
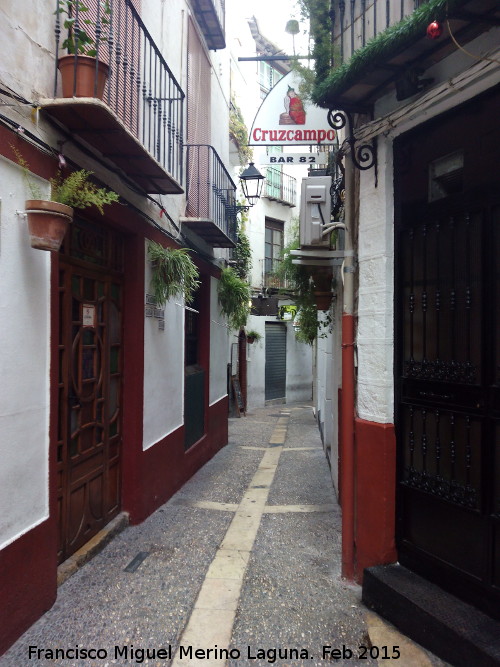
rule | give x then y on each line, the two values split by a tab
210	15
131	112
280	187
271	278
211	197
366	66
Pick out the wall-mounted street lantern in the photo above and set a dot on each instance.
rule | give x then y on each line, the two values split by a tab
252	182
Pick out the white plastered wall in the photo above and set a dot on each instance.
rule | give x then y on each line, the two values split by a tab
298	365
298	368
219	343
455	80
163	371
26	60
375	337
24	365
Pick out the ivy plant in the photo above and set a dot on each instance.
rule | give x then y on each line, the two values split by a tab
242	255
238	133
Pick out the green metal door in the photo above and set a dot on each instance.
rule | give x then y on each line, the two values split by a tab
275	386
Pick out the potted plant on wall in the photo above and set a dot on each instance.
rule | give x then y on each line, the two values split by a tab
83	74
49	219
253	336
174	274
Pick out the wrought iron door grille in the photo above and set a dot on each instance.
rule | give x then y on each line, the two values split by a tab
442	299
443	454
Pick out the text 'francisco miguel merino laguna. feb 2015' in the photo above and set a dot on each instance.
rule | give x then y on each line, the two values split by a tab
167	652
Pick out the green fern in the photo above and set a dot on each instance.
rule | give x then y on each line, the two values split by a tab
34	189
77	191
174	273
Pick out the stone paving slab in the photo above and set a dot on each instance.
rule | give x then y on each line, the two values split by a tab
214	566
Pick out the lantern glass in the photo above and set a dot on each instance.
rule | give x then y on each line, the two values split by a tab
251	182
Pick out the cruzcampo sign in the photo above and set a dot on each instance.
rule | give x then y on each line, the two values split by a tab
285	119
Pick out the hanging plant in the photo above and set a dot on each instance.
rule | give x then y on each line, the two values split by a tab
234	295
174	273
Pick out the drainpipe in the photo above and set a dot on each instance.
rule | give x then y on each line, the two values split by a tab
347	406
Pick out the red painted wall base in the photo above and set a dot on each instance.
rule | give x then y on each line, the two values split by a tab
28	581
165	467
375	495
28	566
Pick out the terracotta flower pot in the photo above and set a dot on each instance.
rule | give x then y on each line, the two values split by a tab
250	339
48	222
78	76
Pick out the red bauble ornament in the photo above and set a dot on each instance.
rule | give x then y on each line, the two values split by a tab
434	30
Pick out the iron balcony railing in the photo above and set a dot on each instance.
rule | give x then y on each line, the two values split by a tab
280	187
356	21
211	192
140	87
271	277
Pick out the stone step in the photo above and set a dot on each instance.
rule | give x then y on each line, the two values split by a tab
438	621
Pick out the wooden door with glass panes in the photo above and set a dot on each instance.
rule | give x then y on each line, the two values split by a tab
90	377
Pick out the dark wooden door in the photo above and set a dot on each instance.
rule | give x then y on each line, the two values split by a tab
447	353
90	335
194	373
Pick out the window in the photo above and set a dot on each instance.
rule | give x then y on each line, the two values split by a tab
446	176
273	245
268	77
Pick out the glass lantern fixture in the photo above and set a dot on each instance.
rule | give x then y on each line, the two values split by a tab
252	182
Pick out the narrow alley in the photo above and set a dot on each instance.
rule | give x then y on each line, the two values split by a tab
244	559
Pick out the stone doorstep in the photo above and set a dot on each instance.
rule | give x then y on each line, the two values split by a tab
451	629
91	548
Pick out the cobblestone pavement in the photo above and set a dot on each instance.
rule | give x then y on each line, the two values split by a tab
244	560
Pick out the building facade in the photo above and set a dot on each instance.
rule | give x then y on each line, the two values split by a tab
410	411
277	366
109	401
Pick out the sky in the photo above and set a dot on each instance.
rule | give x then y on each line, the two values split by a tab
272	16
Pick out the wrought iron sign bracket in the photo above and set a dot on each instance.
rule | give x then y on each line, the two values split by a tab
364	156
234	209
